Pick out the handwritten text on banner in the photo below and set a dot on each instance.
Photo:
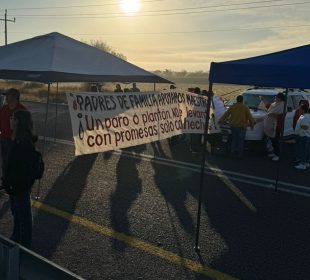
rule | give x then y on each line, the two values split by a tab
107	121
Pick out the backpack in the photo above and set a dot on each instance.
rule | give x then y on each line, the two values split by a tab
38	165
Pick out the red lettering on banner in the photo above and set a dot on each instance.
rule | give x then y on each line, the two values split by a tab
88	141
135	134
176	112
99	140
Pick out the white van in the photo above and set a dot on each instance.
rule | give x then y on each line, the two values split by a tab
251	98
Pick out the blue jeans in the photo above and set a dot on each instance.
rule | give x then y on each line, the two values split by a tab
21	211
237	141
303	148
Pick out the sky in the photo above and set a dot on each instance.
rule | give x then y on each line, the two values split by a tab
167	34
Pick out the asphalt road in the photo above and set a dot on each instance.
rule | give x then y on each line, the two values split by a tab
131	214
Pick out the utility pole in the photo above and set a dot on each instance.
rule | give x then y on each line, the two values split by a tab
5	19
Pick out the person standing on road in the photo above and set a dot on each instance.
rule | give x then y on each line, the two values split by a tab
134	88
6	113
297	114
118	88
239	117
94	88
298	111
19	176
302	131
273	124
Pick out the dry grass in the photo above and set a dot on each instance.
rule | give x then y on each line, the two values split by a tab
38	92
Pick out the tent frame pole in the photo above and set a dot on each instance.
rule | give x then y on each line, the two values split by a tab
202	169
281	141
37	197
56	113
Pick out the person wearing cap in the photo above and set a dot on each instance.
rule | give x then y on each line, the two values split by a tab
6	114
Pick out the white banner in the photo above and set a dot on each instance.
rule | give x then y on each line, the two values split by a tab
108	121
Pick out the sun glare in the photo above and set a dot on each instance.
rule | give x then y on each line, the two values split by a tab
130	6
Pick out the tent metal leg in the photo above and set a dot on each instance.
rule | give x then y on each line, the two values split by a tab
44	137
203	167
56	113
281	141
154	87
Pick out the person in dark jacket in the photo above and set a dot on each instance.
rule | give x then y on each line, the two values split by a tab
19	177
6	112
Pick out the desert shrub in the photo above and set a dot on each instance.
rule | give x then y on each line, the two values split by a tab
32	85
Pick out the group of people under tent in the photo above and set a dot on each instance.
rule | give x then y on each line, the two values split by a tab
118	88
239	118
134	88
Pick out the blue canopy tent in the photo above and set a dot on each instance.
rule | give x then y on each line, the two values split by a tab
285	69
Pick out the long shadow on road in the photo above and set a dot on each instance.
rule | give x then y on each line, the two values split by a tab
173	193
5	206
175	185
265	233
269	241
64	195
127	191
247	232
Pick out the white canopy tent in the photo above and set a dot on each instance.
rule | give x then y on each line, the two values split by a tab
57	58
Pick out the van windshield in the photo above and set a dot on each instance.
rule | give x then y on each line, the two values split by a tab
253	100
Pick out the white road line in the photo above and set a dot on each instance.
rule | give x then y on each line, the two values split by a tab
238	177
44	103
188	164
60	141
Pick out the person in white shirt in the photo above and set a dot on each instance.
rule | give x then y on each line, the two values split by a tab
302	131
273	124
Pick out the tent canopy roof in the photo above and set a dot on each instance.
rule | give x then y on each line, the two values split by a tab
287	69
57	58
